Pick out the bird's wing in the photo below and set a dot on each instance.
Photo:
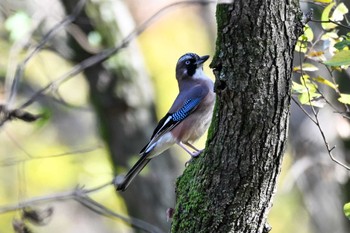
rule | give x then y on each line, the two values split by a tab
183	106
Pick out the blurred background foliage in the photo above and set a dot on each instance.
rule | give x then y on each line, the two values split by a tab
64	148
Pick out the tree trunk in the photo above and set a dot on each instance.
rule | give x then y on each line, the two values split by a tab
230	187
122	96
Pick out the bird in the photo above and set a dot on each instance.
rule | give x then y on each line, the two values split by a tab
187	119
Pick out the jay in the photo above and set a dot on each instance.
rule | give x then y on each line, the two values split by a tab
187	119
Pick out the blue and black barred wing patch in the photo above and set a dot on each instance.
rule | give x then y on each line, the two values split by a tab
185	110
170	120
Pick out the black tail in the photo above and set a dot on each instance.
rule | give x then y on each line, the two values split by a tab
134	171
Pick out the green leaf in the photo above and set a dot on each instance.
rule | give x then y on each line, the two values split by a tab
307	92
344	98
298	88
346	209
342	44
45	118
339	12
326	82
330	35
308	33
307	36
309	86
306	98
305	86
342	58
301	46
325	17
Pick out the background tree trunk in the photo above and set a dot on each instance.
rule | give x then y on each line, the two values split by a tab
122	96
230	187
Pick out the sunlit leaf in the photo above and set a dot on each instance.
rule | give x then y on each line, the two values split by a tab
306	98
344	98
307	36
298	88
310	86
305	85
325	17
301	46
315	54
18	25
326	82
339	12
346	209
95	38
323	1
342	58
308	33
330	35
306	67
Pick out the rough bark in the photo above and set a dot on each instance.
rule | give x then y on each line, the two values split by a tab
230	187
122	97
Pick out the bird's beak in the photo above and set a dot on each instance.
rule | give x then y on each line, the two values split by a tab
202	59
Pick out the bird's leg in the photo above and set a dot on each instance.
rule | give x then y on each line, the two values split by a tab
190	145
193	154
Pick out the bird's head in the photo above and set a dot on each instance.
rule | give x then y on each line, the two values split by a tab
190	65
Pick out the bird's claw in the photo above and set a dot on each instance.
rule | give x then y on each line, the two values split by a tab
194	155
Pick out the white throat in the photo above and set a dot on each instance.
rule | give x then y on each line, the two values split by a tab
199	74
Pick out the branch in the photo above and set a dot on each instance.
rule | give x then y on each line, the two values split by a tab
11	161
93	60
316	121
104	55
54	197
102	210
20	68
81	195
330	21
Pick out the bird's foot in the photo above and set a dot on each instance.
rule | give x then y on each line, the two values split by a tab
194	155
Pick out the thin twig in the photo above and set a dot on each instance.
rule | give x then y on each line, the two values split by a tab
53	197
330	21
102	210
98	58
316	121
318	125
11	161
104	55
81	195
20	68
303	109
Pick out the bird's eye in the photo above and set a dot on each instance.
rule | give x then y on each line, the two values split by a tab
187	62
